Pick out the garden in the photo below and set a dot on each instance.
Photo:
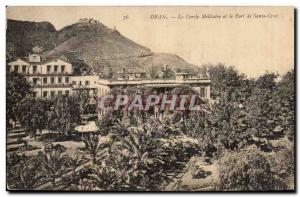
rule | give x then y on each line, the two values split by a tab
243	140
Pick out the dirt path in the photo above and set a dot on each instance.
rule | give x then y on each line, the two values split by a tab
198	176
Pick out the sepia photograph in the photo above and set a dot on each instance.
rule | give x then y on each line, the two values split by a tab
150	99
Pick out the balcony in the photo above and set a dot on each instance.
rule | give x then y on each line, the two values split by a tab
48	73
49	85
57	73
33	73
83	86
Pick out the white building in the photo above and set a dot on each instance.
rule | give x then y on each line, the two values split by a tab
54	77
48	78
200	85
86	82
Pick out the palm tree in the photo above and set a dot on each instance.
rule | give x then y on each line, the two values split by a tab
106	178
121	126
93	145
52	161
73	162
137	159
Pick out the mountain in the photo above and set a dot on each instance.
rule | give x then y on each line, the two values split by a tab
88	42
25	35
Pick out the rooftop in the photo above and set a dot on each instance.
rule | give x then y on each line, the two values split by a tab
153	82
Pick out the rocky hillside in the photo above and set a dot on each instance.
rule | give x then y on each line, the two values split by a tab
92	43
25	35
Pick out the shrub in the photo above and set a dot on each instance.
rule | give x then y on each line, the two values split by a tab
284	159
24	175
249	170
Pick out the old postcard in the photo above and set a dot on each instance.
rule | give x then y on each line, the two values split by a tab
150	98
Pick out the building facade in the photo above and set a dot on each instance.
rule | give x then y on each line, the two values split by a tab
48	78
88	84
200	85
54	77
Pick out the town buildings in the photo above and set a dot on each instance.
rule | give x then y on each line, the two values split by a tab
55	77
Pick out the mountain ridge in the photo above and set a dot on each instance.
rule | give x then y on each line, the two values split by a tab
91	43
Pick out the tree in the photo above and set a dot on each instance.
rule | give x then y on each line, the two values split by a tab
67	114
32	115
51	120
138	157
84	98
106	178
268	113
80	67
246	111
52	161
17	88
154	74
106	124
168	74
73	162
201	126
286	100
224	80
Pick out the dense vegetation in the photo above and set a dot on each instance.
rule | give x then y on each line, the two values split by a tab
248	129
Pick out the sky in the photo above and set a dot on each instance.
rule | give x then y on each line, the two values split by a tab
253	39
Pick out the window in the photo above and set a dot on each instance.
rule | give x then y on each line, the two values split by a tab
55	68
87	83
34	94
67	79
52	93
67	92
59	92
202	92
34	69
34	80
59	79
48	68
74	82
45	80
45	94
52	80
62	68
16	68
24	69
